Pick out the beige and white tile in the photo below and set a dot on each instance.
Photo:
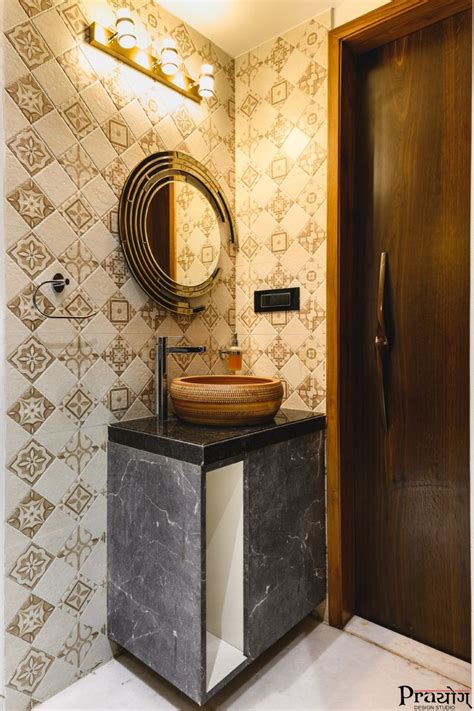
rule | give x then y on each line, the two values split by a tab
62	215
54	82
57	135
55	183
54	30
98	101
99	195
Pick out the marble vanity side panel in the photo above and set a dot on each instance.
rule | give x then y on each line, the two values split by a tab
155	576
286	564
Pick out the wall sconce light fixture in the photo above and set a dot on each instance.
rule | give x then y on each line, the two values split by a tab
169	57
206	82
125	30
121	43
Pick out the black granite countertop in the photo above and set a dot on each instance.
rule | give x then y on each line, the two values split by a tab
206	445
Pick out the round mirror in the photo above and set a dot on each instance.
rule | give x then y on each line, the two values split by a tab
173	217
184	234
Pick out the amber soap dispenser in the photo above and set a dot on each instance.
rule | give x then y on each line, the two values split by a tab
233	354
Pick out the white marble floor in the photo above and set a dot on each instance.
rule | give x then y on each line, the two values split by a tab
315	667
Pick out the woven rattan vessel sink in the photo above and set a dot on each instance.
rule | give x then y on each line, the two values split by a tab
226	399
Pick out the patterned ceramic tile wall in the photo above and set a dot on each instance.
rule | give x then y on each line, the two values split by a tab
281	127
76	122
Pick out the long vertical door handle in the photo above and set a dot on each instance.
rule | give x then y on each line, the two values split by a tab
381	340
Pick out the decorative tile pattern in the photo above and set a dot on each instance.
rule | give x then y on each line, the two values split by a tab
279	54
279	130
31	203
32	358
78	499
119	354
33	7
31	462
118	133
31	255
30	514
119	89
119	399
78	596
29	44
313	78
183	122
78	259
30	150
78	356
279	205
115	174
78	452
22	307
79	305
30	618
249	105
31	410
31	671
31	566
74	17
89	142
119	311
78	644
78	548
78	404
78	213
78	117
30	98
183	40
151	143
110	220
311	392
116	267
280	201
78	165
78	69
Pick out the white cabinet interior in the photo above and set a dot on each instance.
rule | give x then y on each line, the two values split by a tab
224	571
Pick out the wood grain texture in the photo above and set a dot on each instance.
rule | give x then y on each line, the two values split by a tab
412	506
345	43
339	327
394	20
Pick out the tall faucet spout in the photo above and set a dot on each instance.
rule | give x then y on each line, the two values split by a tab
186	349
161	371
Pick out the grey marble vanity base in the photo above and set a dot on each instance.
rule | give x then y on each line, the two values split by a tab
155	571
157	549
286	575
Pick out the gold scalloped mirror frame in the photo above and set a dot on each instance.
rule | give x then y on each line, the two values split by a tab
144	181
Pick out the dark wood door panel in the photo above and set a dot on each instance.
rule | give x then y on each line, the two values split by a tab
413	202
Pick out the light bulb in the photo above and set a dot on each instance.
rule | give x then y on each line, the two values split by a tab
125	26
206	82
169	57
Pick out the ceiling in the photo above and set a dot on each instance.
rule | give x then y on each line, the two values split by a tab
239	25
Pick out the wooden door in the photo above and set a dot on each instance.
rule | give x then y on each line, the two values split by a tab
411	401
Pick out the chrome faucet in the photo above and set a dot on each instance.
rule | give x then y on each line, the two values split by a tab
162	351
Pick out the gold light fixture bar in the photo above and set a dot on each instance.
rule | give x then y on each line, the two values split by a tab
104	39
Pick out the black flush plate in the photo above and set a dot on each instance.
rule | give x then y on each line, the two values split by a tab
277	299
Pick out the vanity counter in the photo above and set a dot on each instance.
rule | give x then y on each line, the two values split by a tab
216	542
206	445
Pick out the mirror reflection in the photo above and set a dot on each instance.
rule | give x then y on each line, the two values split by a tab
183	233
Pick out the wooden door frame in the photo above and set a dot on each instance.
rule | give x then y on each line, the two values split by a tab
389	22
